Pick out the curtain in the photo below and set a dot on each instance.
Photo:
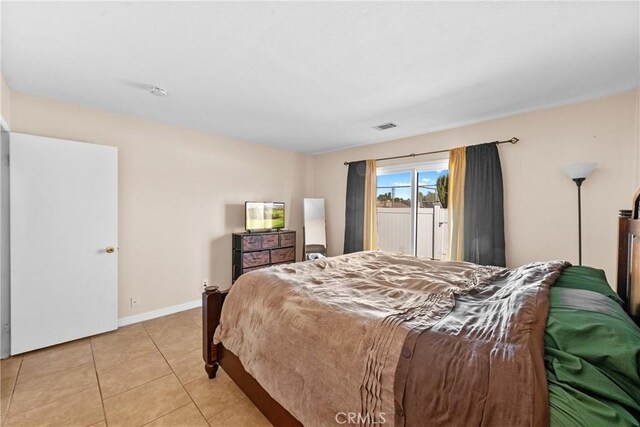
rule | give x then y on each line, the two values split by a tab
361	231
370	242
354	216
455	205
483	206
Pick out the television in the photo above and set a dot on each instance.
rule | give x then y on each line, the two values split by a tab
263	216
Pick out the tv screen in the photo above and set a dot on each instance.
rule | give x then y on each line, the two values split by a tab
264	215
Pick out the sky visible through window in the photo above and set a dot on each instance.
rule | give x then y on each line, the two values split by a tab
403	180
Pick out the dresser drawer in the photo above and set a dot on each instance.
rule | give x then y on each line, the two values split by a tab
287	239
260	249
283	255
254	259
270	241
251	243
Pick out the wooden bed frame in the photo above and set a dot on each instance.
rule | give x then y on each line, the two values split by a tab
216	355
628	281
629	262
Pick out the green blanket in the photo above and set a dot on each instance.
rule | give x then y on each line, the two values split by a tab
592	353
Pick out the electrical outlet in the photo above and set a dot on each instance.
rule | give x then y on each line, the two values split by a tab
205	283
134	302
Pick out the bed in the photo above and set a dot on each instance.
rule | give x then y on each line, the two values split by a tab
375	338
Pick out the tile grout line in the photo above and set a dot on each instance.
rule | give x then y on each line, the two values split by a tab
135	358
95	370
228	407
157	350
234	404
140	385
36	379
123	362
176	375
168	413
53	401
41	377
13	389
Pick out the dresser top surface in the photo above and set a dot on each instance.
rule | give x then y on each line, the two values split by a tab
259	233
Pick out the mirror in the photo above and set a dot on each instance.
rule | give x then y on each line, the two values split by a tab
315	239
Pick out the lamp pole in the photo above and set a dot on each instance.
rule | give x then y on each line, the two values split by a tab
578	172
578	182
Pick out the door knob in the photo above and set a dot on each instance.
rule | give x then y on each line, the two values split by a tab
110	249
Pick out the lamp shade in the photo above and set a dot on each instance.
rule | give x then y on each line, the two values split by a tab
579	170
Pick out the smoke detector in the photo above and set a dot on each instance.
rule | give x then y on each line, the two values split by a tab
158	91
386	126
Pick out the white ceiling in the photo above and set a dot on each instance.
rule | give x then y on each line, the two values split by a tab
316	76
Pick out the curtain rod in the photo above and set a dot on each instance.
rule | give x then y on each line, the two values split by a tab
513	140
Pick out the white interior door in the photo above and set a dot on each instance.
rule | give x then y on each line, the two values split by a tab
64	216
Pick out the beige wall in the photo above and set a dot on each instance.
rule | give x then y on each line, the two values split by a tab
637	169
181	195
181	191
540	201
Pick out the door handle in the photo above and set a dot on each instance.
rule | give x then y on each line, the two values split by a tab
110	249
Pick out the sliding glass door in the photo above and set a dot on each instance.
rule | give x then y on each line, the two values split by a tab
394	206
432	237
410	217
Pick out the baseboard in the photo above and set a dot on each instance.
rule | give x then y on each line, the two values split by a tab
124	321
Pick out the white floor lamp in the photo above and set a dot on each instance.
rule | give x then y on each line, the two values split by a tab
578	172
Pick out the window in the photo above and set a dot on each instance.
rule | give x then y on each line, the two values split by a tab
410	218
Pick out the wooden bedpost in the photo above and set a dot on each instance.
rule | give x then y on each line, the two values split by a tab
623	257
212	300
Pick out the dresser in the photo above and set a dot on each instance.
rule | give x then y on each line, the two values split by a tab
255	250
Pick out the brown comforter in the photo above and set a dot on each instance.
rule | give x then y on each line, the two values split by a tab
374	338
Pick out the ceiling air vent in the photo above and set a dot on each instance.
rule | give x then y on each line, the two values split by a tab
386	126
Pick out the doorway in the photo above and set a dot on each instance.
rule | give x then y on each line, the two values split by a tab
411	219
